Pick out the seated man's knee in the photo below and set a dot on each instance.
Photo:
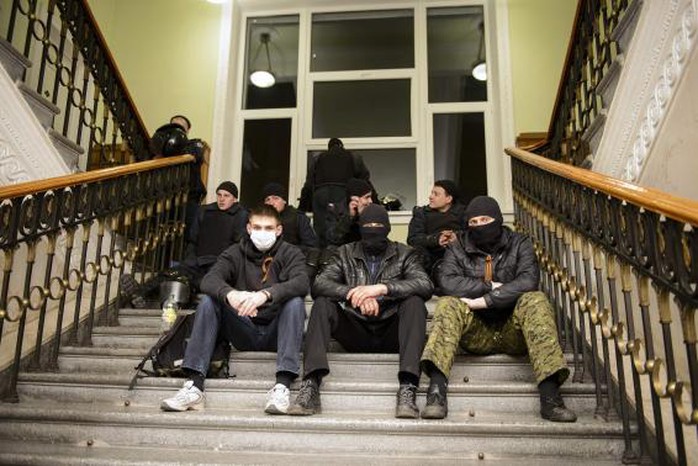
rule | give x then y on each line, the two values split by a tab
412	304
295	307
206	305
450	305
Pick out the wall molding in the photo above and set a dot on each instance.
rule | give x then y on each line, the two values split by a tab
26	152
654	66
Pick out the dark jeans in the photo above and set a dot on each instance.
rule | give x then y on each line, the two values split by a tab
403	332
215	320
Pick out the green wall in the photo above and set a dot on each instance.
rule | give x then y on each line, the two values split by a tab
167	51
539	32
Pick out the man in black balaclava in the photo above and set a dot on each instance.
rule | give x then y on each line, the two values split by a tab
491	276
343	219
370	298
325	184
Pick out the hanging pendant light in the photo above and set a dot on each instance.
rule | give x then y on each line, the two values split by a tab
263	78
479	71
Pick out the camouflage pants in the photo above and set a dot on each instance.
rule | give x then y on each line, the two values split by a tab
531	328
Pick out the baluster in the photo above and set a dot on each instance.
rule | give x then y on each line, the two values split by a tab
563	287
9	254
110	262
59	61
70	241
572	288
181	213
86	231
611	271
688	327
602	313
598	378
580	298
87	336
665	320
148	239
13	20
626	282
70	85
51	251
31	16
644	298
14	371
46	45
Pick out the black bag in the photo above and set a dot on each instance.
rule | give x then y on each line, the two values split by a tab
167	354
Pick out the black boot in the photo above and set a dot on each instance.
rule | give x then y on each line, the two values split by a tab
307	401
437	404
406	407
552	407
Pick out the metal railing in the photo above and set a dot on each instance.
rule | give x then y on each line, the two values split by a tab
591	52
74	69
620	263
65	243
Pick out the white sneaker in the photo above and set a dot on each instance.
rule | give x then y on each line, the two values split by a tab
278	400
186	398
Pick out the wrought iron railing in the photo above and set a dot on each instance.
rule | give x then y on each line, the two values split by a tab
74	69
66	242
591	53
620	263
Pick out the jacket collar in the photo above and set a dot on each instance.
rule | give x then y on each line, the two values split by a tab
234	209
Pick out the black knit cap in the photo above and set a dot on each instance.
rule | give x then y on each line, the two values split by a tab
334	142
375	213
274	189
484	205
358	187
450	187
228	186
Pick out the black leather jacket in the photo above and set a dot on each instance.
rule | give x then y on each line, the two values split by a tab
400	270
514	264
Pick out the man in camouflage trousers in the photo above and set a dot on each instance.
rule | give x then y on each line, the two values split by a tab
491	276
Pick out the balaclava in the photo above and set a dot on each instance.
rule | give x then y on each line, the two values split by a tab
374	226
485	237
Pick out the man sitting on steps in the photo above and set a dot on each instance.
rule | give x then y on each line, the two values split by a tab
491	276
370	298
254	301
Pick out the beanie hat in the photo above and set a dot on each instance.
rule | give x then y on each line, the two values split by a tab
375	213
228	186
274	189
451	189
358	187
484	205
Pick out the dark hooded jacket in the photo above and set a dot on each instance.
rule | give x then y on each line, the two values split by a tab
514	264
213	231
400	270
280	271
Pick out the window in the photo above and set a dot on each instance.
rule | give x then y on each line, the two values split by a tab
266	157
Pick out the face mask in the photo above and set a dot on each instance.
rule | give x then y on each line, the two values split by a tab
374	240
486	237
263	240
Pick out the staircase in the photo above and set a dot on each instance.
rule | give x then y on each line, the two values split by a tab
84	413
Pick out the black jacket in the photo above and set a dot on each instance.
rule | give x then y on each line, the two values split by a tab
342	228
427	224
240	268
514	264
213	231
400	270
297	229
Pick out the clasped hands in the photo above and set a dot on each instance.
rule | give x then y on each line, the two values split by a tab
365	297
246	302
479	303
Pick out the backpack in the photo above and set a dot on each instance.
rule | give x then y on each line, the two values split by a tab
167	354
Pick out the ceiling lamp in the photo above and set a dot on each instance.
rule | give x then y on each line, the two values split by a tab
263	78
480	66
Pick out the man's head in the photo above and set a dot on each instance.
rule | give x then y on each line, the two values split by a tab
226	195
359	191
275	195
484	222
335	142
182	121
443	195
374	224
264	227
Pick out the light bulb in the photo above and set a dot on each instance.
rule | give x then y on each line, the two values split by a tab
263	79
480	71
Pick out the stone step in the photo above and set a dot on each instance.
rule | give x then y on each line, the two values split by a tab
12	60
363	433
343	365
103	454
250	393
42	108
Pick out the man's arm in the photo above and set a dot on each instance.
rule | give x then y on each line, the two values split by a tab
331	281
527	279
414	280
307	235
298	282
416	232
338	224
452	278
217	282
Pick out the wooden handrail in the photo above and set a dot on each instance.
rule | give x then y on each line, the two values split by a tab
59	182
675	207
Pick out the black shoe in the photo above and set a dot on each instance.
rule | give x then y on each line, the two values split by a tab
307	401
437	404
553	409
131	290
406	407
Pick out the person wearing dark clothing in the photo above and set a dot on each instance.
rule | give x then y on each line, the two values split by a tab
325	184
255	302
297	229
434	226
491	277
343	219
216	227
370	298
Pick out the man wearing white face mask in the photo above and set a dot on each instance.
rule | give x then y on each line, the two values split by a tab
254	301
